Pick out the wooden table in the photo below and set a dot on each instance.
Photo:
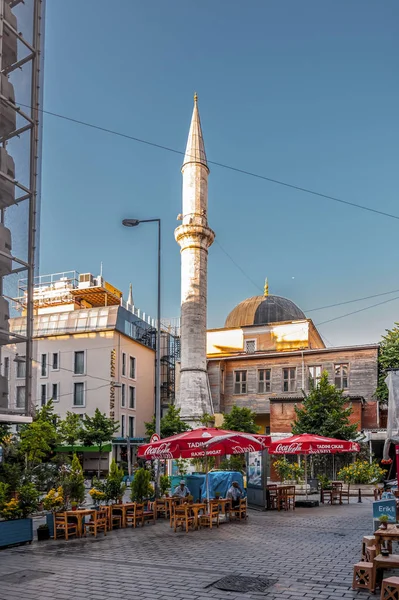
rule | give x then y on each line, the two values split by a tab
122	508
79	515
391	534
195	508
170	503
226	506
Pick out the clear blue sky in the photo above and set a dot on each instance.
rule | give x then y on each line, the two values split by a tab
306	92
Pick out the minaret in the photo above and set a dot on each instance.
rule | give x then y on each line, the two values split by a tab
194	238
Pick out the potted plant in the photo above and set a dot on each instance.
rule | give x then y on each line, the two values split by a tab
74	505
53	502
114	488
141	487
76	483
97	496
43	532
383	519
217	495
15	510
164	484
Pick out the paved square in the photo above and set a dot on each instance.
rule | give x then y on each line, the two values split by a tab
310	552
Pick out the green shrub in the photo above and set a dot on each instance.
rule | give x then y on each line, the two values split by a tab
141	488
361	471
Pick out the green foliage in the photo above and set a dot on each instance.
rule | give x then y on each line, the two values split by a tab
141	487
171	423
39	438
4	492
11	473
114	488
97	431
236	462
201	464
361	471
4	432
282	468
388	358
207	420
164	484
70	429
323	412
240	419
383	519
182	465
76	482
28	498
324	481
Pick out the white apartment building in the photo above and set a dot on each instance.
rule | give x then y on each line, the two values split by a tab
94	351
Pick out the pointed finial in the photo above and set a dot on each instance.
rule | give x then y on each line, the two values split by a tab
266	288
130	297
195	97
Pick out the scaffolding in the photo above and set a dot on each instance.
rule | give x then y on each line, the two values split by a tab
21	93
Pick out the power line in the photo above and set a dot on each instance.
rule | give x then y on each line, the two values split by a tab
238	266
357	311
218	164
351	301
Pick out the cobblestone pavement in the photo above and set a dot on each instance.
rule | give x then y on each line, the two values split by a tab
309	554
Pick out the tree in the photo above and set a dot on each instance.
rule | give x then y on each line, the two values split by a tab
240	419
98	431
70	429
39	438
324	412
76	481
171	423
388	359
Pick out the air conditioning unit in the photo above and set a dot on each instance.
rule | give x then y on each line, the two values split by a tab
3	392
7	188
9	50
8	115
5	246
4	321
86	280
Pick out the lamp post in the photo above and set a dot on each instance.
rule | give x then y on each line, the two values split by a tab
135	223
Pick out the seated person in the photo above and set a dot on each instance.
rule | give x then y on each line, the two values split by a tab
181	491
234	494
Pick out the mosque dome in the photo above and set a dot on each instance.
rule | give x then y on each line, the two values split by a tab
262	310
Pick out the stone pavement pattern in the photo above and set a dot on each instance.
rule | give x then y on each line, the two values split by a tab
310	552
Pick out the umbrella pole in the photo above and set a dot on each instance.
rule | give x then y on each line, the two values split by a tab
333	457
206	477
306	475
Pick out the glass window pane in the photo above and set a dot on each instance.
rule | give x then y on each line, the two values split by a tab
20	400
79	363
78	398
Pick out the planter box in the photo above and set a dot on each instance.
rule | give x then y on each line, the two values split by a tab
366	489
50	523
19	531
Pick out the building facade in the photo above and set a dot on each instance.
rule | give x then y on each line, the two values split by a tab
269	353
94	351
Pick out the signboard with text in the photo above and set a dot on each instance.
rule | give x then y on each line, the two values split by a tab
385	507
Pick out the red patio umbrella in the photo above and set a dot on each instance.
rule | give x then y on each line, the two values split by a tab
307	443
204	442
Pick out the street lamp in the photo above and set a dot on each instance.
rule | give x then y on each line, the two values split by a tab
135	223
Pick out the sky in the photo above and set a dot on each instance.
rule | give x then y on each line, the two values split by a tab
303	92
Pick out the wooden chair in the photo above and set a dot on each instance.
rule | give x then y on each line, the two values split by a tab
368	540
162	508
336	492
211	517
61	524
98	522
390	589
345	492
135	515
363	576
282	500
240	511
183	517
114	520
271	494
150	512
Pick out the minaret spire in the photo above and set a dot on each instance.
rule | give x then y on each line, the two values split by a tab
195	149
130	297
266	288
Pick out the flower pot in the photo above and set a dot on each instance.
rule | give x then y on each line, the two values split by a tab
50	523
43	534
384	526
19	531
74	508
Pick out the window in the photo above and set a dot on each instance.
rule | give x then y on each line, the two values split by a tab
6	367
54	395
250	346
131	427
132	397
43	363
43	395
132	367
315	375
123	426
341	376
21	368
79	363
123	364
20	396
264	381
55	361
78	394
289	379
240	382
123	396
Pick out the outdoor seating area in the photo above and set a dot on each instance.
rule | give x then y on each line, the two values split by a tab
280	497
183	515
376	558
